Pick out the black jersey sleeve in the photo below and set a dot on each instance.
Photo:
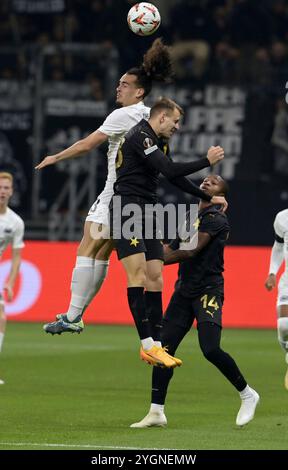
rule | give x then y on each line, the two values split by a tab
183	182
186	185
149	150
171	169
213	223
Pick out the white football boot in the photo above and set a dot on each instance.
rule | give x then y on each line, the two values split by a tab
247	408
152	419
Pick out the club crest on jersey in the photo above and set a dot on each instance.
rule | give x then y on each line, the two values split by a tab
147	142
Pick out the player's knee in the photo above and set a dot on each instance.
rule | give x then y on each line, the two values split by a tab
155	281
104	253
211	354
2	315
90	249
137	277
282	328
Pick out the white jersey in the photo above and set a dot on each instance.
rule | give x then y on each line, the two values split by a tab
281	231
11	230
115	126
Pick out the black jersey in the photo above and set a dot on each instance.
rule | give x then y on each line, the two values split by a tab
135	177
141	158
204	271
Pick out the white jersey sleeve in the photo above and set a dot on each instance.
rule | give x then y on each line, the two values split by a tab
277	258
18	235
279	249
281	224
116	123
11	230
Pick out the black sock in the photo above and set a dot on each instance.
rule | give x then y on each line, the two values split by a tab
160	382
137	307
153	301
226	364
172	336
209	339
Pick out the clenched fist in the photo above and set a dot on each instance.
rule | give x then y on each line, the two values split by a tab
215	155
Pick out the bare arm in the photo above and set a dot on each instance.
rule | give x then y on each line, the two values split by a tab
76	150
16	261
270	282
171	257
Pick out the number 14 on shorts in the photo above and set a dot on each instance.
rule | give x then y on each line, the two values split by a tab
209	303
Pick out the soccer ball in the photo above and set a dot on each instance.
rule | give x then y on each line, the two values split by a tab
143	19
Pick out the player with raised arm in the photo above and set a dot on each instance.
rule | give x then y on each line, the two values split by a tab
139	163
93	252
199	294
279	253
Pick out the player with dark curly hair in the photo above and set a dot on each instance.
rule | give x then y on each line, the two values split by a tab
94	250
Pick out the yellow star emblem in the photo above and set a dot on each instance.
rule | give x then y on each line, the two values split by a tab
196	224
134	241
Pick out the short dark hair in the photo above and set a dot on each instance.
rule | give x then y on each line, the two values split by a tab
165	104
225	187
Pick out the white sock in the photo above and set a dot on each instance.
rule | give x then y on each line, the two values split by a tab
155	408
1	340
158	344
147	343
100	273
81	285
282	328
246	393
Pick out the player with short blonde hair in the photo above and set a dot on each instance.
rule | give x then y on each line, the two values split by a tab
11	232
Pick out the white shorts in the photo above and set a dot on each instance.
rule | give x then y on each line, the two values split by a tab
282	298
98	213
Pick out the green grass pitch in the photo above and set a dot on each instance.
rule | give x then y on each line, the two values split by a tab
83	391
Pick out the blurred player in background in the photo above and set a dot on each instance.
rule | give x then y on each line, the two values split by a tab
279	253
11	232
93	252
199	294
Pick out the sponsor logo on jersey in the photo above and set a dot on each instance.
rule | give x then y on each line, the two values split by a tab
147	142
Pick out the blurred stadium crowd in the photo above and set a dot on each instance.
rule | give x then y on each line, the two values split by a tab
233	41
227	43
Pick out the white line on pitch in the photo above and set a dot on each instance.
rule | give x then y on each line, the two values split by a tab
88	446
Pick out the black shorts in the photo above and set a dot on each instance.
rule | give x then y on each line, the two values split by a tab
144	236
182	311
